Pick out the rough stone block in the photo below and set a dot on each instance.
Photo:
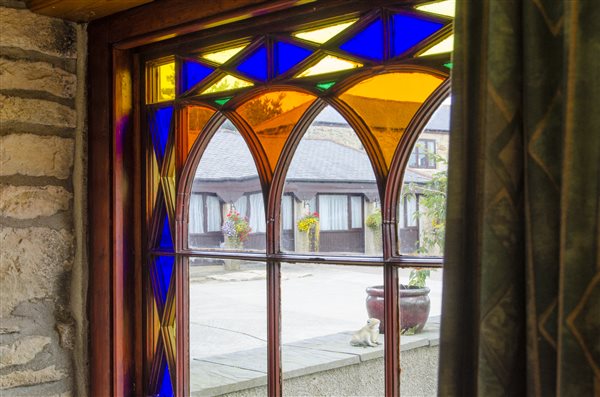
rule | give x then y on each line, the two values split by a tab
32	263
29	31
29	202
35	155
29	377
36	76
22	351
36	111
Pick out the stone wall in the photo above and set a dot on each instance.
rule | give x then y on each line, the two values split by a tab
43	338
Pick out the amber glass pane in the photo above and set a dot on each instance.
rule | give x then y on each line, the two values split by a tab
228	327
226	209
221	57
445	7
161	82
331	202
444	46
422	205
329	64
388	102
420	292
322	35
273	116
196	118
228	82
322	306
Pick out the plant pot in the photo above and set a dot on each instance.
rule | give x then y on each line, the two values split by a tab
414	306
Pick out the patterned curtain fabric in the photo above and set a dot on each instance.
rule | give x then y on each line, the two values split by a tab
522	275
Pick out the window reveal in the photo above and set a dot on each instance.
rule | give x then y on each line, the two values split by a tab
238	140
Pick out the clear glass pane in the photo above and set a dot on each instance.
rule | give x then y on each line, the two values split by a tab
322	35
323	306
223	56
329	178
228	326
226	205
420	293
422	207
329	64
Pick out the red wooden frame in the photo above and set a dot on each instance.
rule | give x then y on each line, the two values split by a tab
117	177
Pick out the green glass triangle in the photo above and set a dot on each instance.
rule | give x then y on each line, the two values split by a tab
325	85
448	65
222	101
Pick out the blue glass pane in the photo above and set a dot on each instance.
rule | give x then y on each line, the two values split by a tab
368	43
255	65
164	270
166	241
409	30
166	388
288	55
193	73
159	129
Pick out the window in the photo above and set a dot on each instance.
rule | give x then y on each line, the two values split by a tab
267	155
423	155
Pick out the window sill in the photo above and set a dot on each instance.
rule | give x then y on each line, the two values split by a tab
217	375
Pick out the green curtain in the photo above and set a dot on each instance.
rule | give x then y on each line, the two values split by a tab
521	300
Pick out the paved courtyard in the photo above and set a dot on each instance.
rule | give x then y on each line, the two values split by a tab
228	308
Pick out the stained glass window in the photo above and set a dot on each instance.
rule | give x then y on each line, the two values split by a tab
271	148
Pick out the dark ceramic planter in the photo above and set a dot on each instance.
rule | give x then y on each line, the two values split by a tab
414	306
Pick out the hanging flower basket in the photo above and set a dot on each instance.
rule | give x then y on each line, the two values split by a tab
309	224
236	230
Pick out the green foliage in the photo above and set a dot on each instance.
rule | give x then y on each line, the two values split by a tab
263	109
418	277
374	220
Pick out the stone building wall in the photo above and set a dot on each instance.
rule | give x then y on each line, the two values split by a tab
43	338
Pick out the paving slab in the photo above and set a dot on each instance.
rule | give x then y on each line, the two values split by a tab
210	379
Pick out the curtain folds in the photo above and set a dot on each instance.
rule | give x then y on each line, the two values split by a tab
521	297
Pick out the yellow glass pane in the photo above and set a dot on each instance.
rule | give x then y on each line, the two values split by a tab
228	82
323	35
445	7
168	184
196	119
444	46
221	57
388	102
329	64
153	181
273	116
161	82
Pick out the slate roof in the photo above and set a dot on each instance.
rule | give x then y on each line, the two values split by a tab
315	160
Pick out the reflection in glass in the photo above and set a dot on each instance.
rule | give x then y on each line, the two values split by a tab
227	326
388	102
322	307
161	82
272	116
322	35
331	193
329	64
196	118
221	57
420	292
226	203
444	46
444	7
226	83
422	206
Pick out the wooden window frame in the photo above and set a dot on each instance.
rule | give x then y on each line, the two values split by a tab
117	180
